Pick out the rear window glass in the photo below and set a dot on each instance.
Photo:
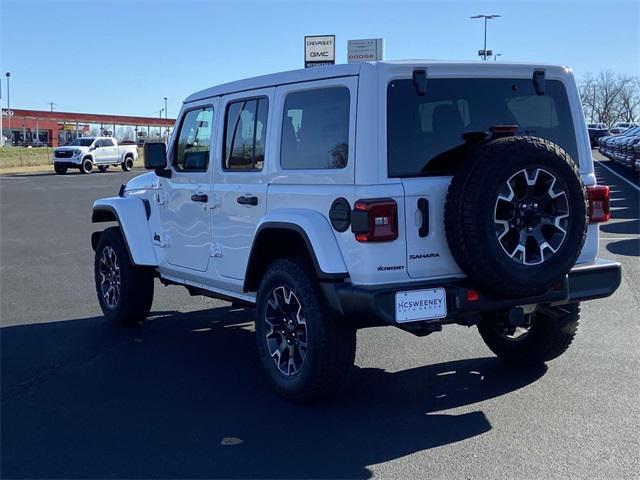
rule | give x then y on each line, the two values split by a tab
425	133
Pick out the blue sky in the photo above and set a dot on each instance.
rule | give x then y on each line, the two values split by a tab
122	57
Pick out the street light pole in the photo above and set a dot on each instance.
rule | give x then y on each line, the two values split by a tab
485	17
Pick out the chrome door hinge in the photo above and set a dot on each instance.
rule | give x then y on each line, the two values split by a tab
161	241
216	250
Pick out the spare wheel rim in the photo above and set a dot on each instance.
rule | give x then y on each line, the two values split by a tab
531	216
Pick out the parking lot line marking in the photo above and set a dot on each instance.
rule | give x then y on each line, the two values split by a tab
637	237
618	175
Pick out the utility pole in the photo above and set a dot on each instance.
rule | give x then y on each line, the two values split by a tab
165	114
51	104
486	17
1	118
8	75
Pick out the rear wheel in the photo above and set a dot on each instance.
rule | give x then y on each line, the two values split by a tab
125	291
59	169
86	166
306	353
127	165
545	334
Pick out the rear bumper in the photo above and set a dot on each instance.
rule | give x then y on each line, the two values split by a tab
375	304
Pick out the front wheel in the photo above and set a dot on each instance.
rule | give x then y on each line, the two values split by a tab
545	334
127	165
59	169
125	291
86	166
305	352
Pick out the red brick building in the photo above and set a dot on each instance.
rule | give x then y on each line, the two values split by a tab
38	127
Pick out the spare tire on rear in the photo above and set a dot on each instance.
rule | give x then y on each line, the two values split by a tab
516	215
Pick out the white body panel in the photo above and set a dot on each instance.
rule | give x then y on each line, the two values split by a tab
132	217
208	245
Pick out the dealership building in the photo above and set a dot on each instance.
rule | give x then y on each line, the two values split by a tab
39	128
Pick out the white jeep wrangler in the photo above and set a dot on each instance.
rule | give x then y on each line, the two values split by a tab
413	193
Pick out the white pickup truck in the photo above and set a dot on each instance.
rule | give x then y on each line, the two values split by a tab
85	152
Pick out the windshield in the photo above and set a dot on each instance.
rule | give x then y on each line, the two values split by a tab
425	133
81	142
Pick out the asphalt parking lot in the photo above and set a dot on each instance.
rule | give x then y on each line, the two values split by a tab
183	395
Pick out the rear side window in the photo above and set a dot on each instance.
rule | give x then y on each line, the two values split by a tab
425	133
245	134
108	142
315	129
194	141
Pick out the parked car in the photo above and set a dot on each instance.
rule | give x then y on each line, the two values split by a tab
408	194
627	151
596	131
86	152
636	157
607	144
621	127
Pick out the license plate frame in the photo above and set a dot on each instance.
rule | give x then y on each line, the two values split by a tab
418	305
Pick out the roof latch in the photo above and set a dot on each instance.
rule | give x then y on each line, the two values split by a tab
420	81
538	81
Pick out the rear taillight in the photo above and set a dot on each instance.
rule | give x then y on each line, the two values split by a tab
599	210
375	220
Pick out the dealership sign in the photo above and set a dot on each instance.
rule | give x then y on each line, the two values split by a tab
365	50
7	113
319	50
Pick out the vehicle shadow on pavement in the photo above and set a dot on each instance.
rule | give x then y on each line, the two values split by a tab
183	396
630	247
628	227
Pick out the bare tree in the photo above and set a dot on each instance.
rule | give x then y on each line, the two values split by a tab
609	97
630	99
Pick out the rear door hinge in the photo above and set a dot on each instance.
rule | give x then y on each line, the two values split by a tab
161	241
216	250
162	198
214	201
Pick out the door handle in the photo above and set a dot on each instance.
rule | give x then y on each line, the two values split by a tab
248	200
423	206
200	197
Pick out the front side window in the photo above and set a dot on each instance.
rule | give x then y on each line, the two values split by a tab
315	129
430	134
194	140
245	134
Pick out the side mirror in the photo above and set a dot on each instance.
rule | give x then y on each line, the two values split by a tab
155	156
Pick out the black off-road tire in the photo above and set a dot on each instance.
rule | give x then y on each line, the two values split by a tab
470	209
136	283
60	170
331	342
552	331
127	164
86	166
103	168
